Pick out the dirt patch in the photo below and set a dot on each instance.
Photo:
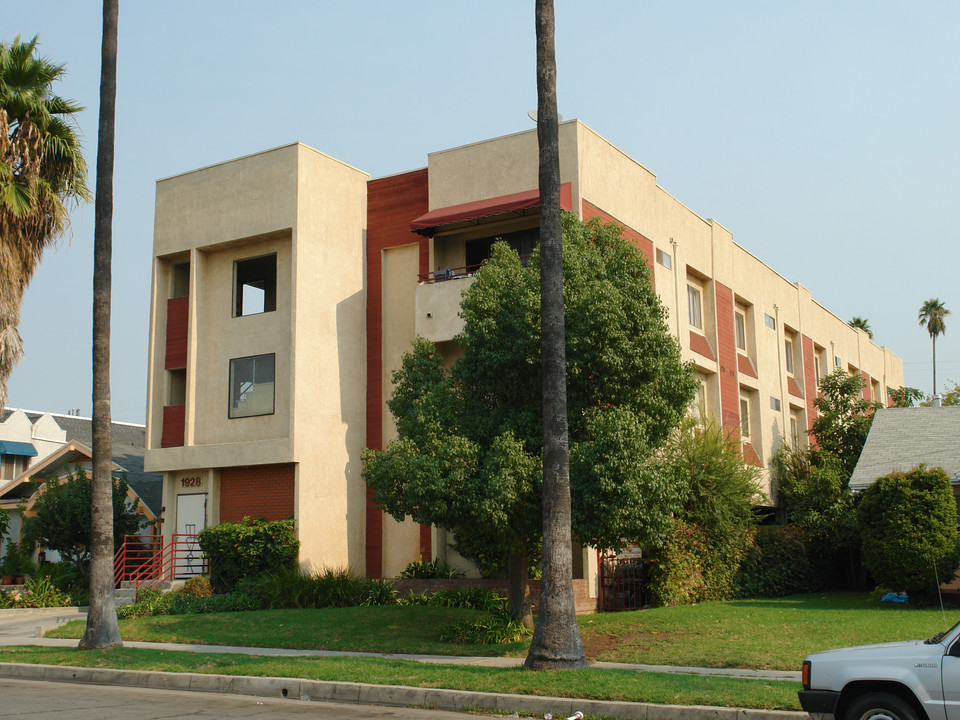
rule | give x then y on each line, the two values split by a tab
610	647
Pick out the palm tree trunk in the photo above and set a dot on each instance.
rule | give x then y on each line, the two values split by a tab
102	628
934	337
556	640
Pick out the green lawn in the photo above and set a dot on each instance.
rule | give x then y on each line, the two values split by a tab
770	634
589	684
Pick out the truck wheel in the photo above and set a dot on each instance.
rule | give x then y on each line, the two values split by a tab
880	706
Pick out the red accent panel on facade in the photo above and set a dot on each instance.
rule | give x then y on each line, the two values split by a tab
699	344
727	352
866	386
176	343
750	456
174	425
809	382
646	246
427	223
793	388
257	491
745	366
392	202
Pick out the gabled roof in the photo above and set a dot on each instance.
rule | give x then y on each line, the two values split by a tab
81	428
145	487
902	438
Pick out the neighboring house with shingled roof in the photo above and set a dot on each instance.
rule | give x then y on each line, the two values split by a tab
902	438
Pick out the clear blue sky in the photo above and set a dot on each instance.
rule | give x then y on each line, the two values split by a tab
824	134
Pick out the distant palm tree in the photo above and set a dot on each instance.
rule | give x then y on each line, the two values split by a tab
932	314
862	324
42	175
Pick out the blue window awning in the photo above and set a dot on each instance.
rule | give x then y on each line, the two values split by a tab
9	447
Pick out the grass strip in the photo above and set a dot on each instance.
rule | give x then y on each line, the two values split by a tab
620	685
762	634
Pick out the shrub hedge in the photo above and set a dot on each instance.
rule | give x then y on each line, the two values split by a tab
249	548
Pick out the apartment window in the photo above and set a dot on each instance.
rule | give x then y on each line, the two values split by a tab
251	385
775	404
694	307
770	321
794	430
664	259
700	400
816	368
255	286
11	466
788	354
837	362
740	325
744	417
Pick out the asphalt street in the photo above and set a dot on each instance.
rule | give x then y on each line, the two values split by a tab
62	701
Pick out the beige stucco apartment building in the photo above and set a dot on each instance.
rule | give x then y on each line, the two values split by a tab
287	285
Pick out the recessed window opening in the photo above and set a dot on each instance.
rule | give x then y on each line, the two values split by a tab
788	354
744	418
255	288
522	241
252	385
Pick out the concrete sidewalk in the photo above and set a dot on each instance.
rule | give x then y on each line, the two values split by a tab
23	627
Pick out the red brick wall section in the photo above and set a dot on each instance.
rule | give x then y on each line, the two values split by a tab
257	491
793	388
745	366
866	386
392	203
176	355
809	380
646	246
581	590
727	357
174	426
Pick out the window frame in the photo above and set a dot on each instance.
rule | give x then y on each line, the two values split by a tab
695	306
740	329
744	417
231	412
788	346
665	259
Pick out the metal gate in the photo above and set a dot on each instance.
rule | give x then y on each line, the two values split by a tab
624	583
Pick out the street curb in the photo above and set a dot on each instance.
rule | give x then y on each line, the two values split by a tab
393	695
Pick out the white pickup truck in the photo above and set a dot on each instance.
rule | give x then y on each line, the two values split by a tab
914	680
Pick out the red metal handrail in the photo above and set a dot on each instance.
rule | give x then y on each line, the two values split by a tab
144	561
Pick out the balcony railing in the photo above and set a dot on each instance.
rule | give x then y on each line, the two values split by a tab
456	273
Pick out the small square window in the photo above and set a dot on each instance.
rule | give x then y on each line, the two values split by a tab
775	404
252	386
837	361
740	324
770	321
694	308
255	286
664	259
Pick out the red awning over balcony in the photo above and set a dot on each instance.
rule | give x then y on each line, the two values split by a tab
473	213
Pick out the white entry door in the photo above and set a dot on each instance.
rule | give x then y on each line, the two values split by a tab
191	519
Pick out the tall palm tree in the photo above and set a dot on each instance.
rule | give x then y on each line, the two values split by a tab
556	640
861	324
932	314
42	176
102	629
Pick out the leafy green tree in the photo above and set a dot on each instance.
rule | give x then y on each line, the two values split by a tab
844	419
933	314
861	324
468	453
42	176
904	396
62	520
909	527
719	494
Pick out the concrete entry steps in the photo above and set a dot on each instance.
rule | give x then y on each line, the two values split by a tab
366	694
